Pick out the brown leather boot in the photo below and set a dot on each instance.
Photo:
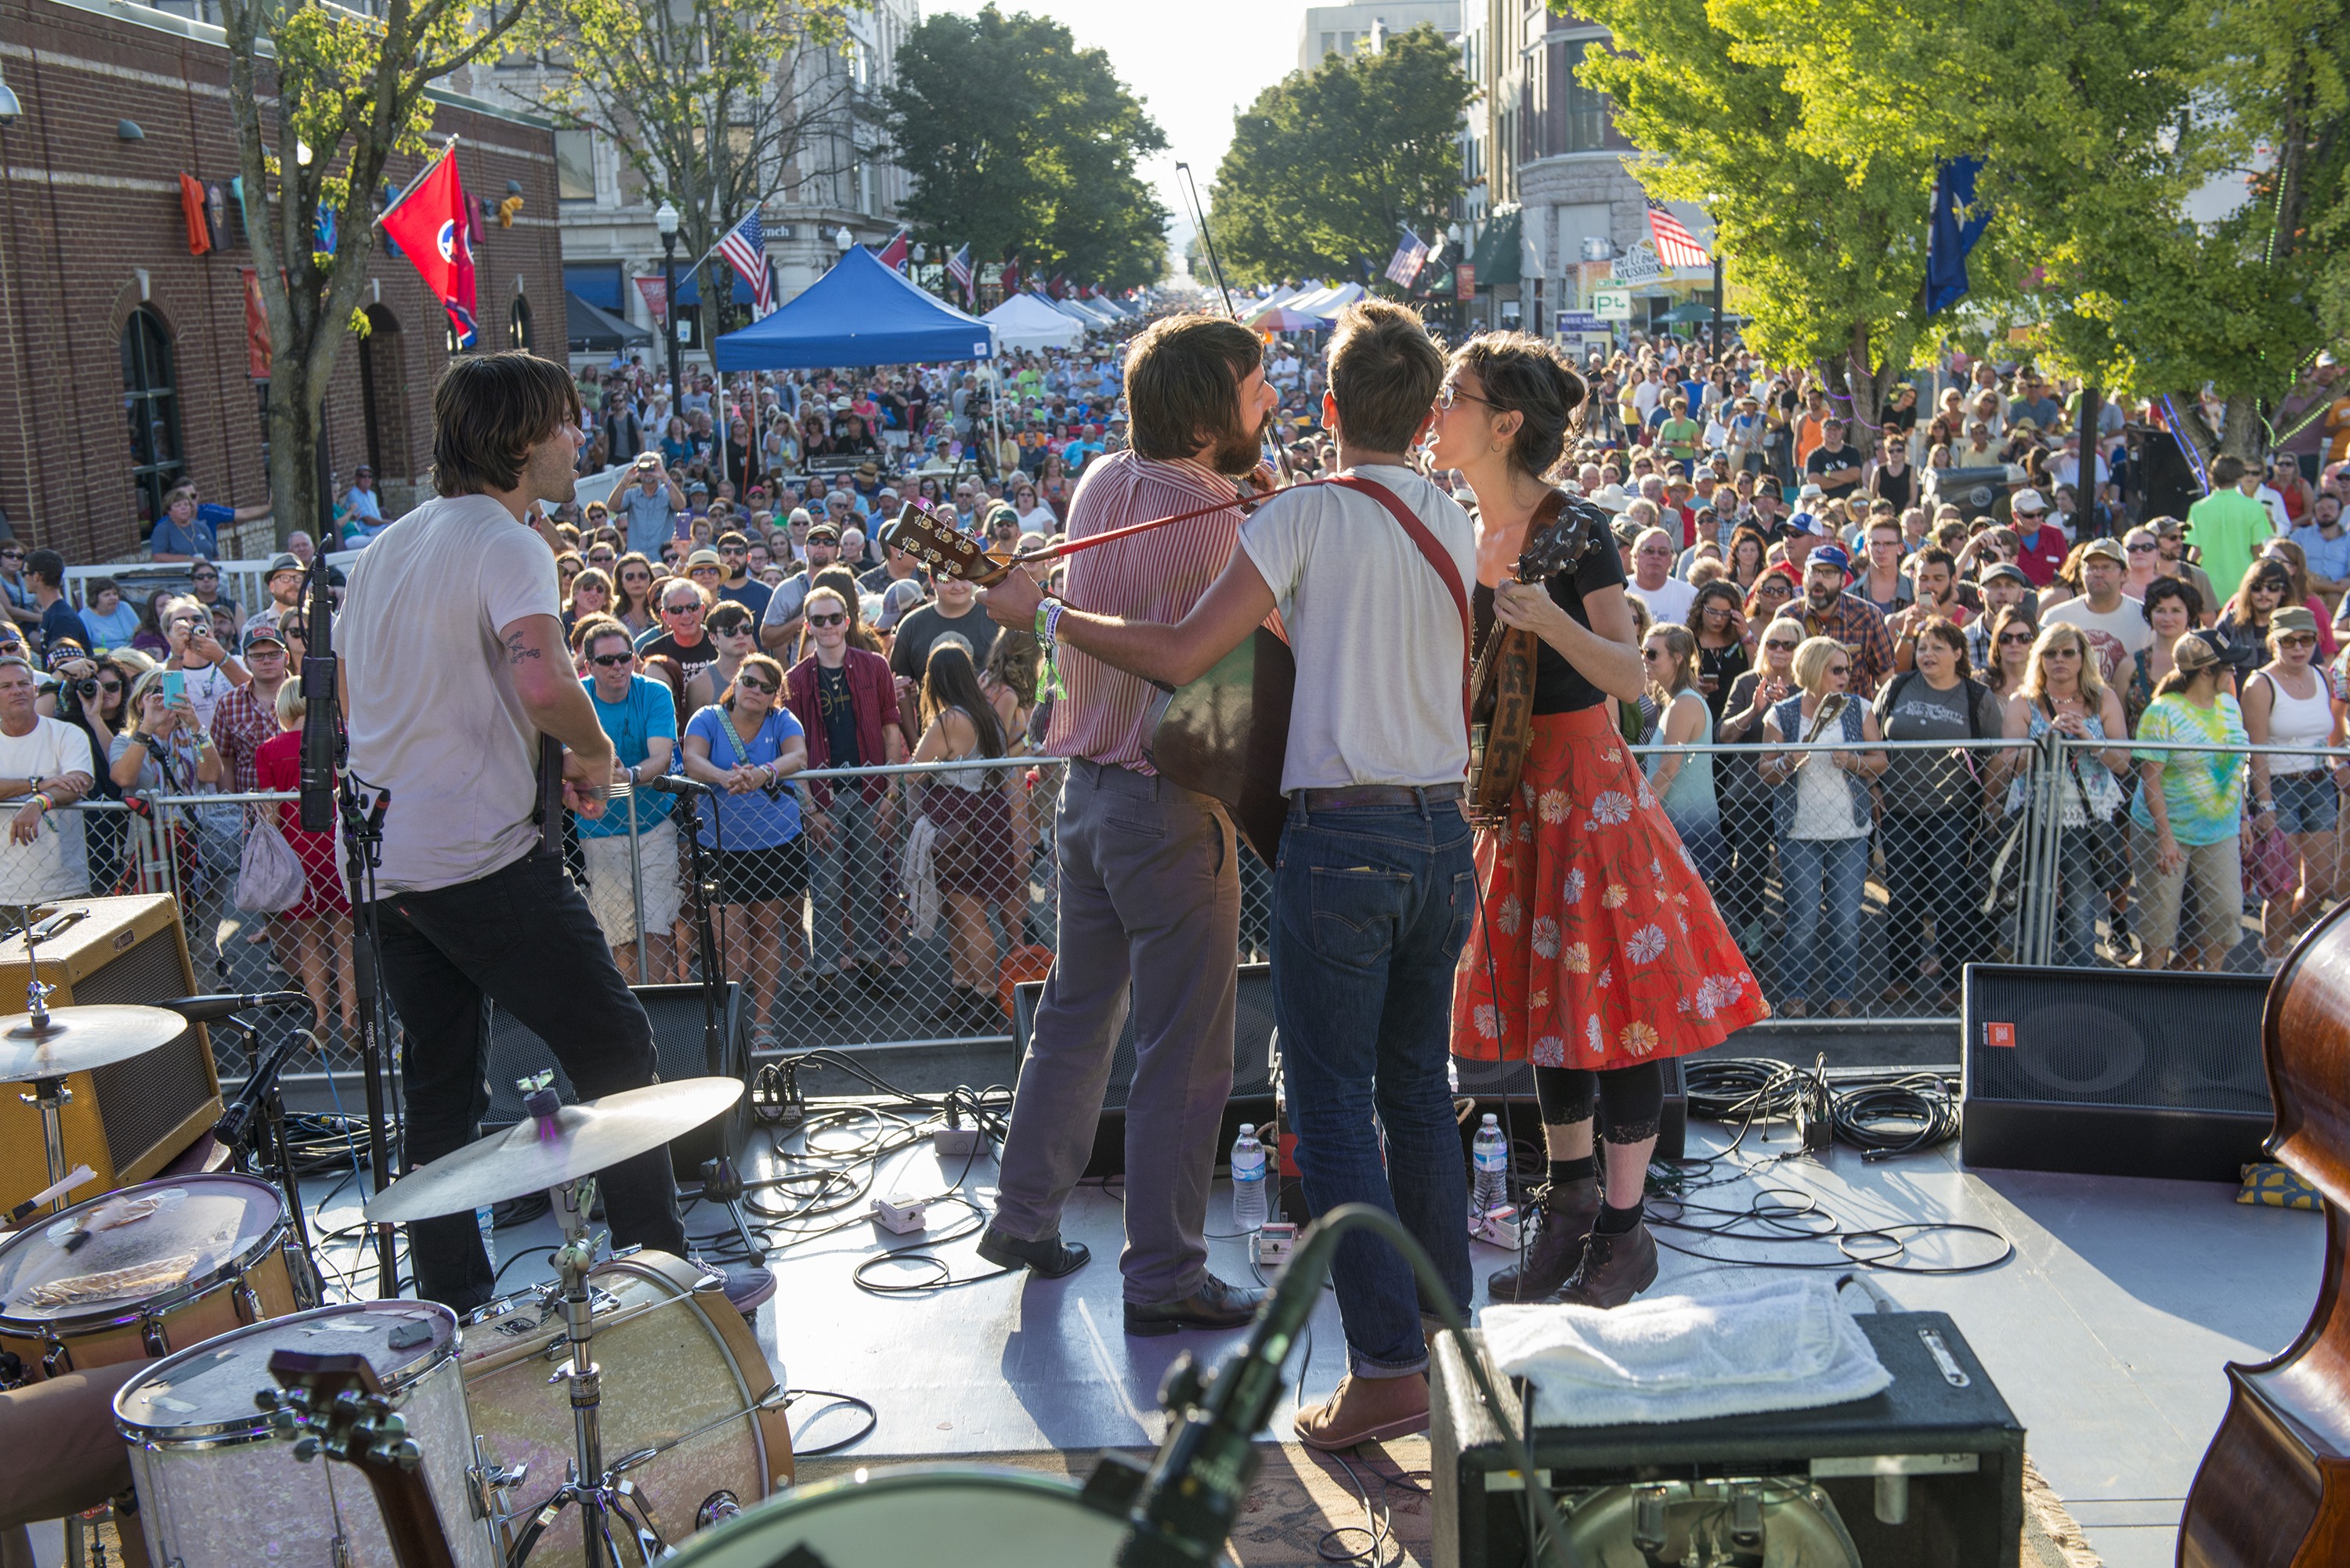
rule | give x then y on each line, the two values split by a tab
1365	1411
1561	1220
1614	1270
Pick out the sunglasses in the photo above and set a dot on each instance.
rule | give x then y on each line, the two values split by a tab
2298	640
2142	549
1839	669
295	628
11	554
1656	653
681	609
837	619
762	686
2014	640
110	685
613	660
1779	647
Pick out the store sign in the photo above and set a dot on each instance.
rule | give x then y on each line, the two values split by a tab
1611	304
1640	264
1464	281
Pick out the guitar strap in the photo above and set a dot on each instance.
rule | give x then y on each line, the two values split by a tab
548	813
1446	572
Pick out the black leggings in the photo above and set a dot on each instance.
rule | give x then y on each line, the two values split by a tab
1633	1097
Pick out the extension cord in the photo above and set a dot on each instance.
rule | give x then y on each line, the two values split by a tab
956	1140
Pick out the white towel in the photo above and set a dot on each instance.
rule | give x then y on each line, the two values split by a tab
1773	1345
919	878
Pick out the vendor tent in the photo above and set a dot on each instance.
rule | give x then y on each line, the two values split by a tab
590	329
859	313
1024	321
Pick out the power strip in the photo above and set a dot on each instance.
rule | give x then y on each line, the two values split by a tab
956	1140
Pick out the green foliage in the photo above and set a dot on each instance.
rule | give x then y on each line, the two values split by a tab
347	88
1022	143
706	102
1328	166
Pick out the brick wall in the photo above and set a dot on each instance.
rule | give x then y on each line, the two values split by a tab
84	214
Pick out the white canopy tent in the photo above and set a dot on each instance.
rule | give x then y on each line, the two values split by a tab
1327	303
1025	322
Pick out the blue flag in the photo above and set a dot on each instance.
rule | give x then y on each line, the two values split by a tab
1959	222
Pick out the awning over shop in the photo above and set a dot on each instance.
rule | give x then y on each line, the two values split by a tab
588	329
1496	261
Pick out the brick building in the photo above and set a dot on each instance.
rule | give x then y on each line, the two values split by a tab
106	318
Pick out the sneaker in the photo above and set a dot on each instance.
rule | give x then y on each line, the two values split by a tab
747	1288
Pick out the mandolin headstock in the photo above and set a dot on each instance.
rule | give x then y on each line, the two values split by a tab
1564	531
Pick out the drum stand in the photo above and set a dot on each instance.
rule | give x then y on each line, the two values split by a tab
261	1093
50	1096
722	1182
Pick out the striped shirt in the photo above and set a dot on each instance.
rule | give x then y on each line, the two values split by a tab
1155	576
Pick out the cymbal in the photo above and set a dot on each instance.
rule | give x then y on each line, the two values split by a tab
584	1139
81	1039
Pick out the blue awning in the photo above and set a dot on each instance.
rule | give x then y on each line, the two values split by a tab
598	283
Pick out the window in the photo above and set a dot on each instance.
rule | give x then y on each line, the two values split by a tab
1329	44
1582	112
150	402
574	166
518	324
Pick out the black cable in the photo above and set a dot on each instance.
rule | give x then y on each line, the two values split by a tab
872	1419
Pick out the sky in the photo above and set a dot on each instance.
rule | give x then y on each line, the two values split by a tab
1192	65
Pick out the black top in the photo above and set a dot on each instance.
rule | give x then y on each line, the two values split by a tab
1725	664
1901	489
834	701
1559	687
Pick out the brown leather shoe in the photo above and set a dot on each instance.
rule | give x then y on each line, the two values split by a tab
1213	1305
1365	1411
1561	1221
1614	1270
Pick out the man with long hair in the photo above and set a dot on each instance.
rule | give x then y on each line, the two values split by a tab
1150	883
454	664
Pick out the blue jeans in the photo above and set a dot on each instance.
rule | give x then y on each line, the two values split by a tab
1820	959
1372	905
2079	898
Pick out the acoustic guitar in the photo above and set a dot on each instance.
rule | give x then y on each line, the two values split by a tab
337	1404
2274	1491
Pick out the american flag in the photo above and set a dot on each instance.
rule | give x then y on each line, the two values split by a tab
1405	264
1676	246
745	250
959	268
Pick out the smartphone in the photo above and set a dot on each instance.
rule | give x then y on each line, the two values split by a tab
683	527
175	685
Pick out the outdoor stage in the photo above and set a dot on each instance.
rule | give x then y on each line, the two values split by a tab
2105	1331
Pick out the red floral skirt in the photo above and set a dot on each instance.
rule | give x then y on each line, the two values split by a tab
1599	945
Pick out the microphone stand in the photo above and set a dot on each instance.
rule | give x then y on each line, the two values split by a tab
362	826
261	1093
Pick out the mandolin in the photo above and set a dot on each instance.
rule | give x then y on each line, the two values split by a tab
335	1405
2274	1491
1502	687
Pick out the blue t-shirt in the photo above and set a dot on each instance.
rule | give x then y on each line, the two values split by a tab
110	631
196	539
632	723
2327	557
751	821
751	595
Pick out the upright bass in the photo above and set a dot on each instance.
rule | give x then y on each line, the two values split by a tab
1502	687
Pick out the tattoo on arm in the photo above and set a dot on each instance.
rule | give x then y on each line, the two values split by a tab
518	648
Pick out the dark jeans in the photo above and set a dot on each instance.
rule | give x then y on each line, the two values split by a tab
1928	873
1748	838
1371	908
522	938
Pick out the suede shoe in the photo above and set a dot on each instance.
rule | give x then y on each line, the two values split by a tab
1561	1221
1365	1411
1614	1270
1213	1305
746	1288
1049	1258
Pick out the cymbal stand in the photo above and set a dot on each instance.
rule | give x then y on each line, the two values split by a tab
50	1095
255	1149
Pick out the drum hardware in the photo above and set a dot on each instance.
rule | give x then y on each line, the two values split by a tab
263	1095
492	1484
722	1183
716	1509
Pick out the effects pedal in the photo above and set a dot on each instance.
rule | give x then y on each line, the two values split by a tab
900	1212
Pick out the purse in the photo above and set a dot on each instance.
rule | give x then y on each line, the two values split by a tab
2269	871
269	876
2109	860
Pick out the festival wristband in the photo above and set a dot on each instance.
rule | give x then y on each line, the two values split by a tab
1048	669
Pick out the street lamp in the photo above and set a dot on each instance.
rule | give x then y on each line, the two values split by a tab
665	221
921	254
844	239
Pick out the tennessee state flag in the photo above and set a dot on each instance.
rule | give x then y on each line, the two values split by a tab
429	222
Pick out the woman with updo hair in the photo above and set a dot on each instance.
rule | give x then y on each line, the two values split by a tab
1598	953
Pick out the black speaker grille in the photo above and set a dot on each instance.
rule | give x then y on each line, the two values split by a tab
2117	1038
145	1098
1252	1032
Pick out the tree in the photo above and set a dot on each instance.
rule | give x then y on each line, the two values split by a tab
1015	139
712	104
1328	166
350	93
1829	245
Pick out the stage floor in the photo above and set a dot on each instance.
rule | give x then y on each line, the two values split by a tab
2105	1331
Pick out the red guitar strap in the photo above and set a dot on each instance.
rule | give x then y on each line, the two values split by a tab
1446	572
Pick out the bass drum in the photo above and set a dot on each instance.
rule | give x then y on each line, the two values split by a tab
685	1386
974	1518
143	1272
218	1488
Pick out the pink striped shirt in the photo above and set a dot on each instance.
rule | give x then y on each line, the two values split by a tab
1158	576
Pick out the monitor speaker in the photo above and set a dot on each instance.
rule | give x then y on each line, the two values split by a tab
679	1045
2112	1072
128	1121
2166	480
1252	1065
1974	491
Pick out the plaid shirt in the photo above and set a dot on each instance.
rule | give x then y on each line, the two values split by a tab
1855	622
241	722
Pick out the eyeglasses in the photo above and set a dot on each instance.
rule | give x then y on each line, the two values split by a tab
612	660
840	618
681	609
2141	549
745	681
2060	651
1452	394
2016	639
295	628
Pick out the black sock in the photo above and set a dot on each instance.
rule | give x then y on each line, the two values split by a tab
1614	1222
1562	1171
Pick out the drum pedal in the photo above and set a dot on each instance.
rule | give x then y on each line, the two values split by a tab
1275	1240
900	1212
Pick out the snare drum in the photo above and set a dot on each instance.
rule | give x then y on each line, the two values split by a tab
678	1361
217	1489
143	1272
974	1518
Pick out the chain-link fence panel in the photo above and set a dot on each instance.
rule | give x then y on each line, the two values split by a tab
854	905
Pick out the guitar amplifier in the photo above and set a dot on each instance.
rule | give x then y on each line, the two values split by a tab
1927	1473
128	1121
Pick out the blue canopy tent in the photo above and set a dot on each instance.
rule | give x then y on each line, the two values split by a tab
859	313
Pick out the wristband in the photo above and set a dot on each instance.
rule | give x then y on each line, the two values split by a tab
1048	668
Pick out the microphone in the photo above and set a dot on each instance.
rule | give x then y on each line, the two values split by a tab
323	719
212	1007
676	784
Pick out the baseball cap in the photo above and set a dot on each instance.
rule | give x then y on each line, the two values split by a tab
2292	618
2008	569
2105	549
266	631
824	531
2027	501
1804	523
704	556
1829	556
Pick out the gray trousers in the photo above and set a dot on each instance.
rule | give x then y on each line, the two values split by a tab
1150	894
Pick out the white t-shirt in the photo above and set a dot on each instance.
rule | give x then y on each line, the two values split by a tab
207	684
1377	635
433	716
52	866
2270	496
1669	603
2116	635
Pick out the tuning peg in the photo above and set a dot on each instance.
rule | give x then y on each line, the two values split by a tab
306	1447
283	1422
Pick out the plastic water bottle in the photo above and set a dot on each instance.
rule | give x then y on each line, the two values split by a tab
485	1221
1490	1155
1248	1180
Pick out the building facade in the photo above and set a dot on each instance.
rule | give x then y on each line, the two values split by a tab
108	319
841	179
1341	29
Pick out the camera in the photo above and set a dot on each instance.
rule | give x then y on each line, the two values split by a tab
86	689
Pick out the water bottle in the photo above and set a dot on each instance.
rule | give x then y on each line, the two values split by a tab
1489	1154
1248	1180
485	1221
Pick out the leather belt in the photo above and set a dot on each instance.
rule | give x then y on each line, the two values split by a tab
1357	796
